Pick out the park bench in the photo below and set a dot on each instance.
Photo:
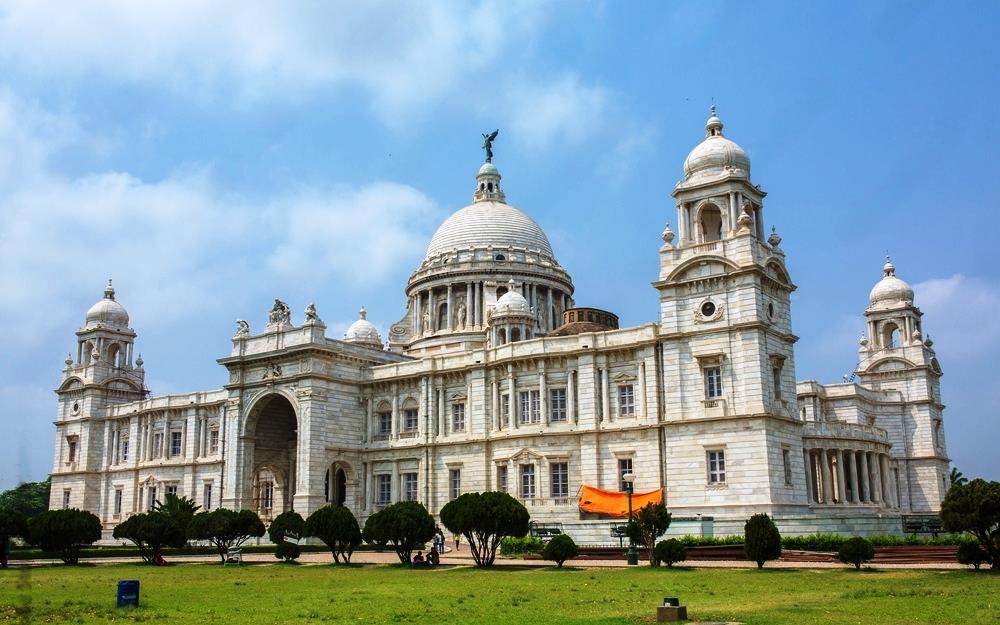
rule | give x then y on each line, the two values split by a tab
234	556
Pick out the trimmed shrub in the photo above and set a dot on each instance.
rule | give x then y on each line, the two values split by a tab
64	531
761	540
287	551
670	551
856	551
975	508
519	546
226	529
150	532
337	527
972	553
560	549
405	525
485	519
12	524
648	524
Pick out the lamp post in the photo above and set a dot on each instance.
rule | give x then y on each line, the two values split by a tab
633	557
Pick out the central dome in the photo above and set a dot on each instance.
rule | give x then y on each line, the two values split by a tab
486	223
716	154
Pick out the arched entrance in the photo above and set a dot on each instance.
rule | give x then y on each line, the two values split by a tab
272	431
336	491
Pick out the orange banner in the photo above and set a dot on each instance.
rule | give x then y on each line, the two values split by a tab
614	503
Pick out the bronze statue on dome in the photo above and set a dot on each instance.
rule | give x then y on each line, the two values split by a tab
488	140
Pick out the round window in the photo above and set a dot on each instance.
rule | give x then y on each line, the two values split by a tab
76	407
707	309
770	311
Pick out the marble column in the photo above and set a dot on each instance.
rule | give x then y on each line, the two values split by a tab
394	486
468	305
477	294
495	405
883	466
876	486
431	313
855	493
841	477
865	482
449	320
571	396
681	227
442	414
513	403
605	393
827	477
810	488
543	395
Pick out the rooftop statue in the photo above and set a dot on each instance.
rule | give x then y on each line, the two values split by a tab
488	140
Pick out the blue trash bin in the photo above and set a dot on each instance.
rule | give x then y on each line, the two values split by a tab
128	593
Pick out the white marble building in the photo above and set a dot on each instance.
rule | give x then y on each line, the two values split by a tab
493	379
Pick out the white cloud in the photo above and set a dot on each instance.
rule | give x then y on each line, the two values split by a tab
960	315
404	54
61	236
564	108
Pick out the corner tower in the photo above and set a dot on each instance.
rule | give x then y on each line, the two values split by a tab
896	358
102	374
733	434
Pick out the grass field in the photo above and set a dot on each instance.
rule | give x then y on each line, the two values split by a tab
276	593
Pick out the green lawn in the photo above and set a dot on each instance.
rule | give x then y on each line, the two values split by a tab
275	593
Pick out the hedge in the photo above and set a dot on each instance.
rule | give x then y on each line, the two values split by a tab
832	542
519	546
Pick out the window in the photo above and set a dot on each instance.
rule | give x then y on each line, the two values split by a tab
71	452
383	492
410	422
150	497
409	486
624	466
559	474
118	501
776	376
208	497
384	420
454	483
502	478
175	444
171	490
557	405
713	382
124	449
786	459
458	417
717	466
626	400
213	441
66	499
530	406
157	444
267	495
527	481
505	409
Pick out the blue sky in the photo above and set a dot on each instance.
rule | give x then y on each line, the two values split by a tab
210	159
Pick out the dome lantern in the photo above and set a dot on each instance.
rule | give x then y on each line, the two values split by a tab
890	291
107	312
716	155
363	332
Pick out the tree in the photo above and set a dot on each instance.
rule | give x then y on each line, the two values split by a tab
226	529
648	524
179	509
956	477
971	553
560	549
337	527
975	508
856	551
12	524
286	525
29	498
405	525
485	519
151	532
670	551
64	531
761	539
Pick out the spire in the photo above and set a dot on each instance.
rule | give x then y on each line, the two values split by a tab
109	291
713	127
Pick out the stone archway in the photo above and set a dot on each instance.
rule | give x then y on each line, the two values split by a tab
272	441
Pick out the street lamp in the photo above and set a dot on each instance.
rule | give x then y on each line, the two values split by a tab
633	556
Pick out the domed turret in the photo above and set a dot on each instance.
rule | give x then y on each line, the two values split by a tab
511	319
890	291
716	155
107	312
511	302
363	332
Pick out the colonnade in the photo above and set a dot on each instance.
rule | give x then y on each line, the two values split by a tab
849	477
463	306
730	209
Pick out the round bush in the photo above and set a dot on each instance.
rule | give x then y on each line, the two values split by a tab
761	539
560	549
287	551
670	551
972	553
856	551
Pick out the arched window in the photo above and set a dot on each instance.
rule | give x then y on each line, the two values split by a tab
113	351
890	335
515	335
88	351
501	336
501	291
710	218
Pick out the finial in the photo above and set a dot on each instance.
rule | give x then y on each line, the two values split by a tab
863	341
668	234
713	128
69	360
109	291
929	342
488	139
139	361
712	108
888	268
362	314
775	239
